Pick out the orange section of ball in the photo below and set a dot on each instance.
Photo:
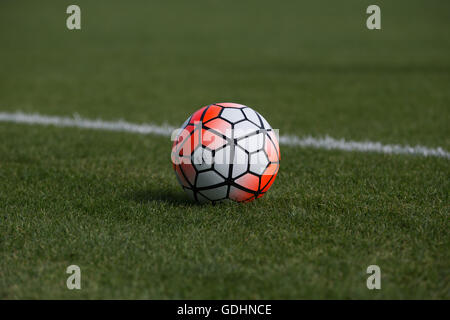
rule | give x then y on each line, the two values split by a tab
239	195
249	181
197	115
212	112
220	125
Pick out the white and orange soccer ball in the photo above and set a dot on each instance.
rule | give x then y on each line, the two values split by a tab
226	151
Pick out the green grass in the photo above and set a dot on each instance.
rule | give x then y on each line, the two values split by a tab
110	203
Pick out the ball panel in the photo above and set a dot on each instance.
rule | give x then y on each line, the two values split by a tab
252	143
269	184
230	105
180	177
191	143
266	125
189	172
208	179
258	162
212	140
202	159
184	133
232	115
240	162
252	116
269	176
239	195
271	169
222	160
196	117
248	181
220	126
271	151
184	145
212	112
244	128
215	194
274	140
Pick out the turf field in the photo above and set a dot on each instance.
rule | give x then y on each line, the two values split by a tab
110	203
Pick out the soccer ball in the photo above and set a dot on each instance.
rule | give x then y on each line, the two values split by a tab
225	151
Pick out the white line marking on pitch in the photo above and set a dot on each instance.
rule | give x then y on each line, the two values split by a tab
166	130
